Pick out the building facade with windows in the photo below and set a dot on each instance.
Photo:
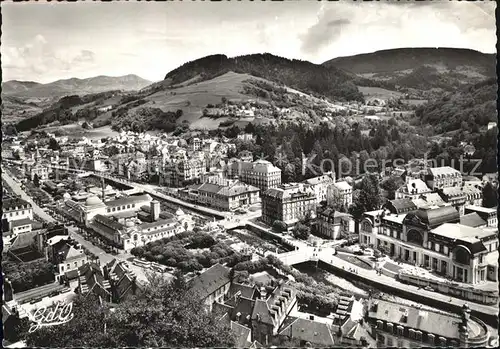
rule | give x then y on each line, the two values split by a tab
488	214
434	239
320	185
400	325
261	173
333	224
340	189
443	177
15	208
288	203
227	197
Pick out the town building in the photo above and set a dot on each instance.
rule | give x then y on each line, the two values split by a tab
84	212
487	214
229	197
65	254
433	238
260	173
339	191
413	188
288	203
402	325
270	311
179	172
443	177
123	281
16	208
333	224
454	196
212	285
320	185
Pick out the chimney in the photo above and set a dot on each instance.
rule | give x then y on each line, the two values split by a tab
155	210
263	293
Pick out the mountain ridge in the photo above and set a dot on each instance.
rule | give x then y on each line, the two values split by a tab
300	74
74	85
421	68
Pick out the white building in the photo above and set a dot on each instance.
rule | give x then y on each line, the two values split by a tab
320	185
341	188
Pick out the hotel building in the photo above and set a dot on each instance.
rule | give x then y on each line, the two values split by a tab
261	174
288	203
401	325
227	197
443	177
433	238
320	185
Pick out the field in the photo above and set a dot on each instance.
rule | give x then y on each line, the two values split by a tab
192	99
378	92
76	130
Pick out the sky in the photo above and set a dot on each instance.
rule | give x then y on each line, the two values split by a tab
45	42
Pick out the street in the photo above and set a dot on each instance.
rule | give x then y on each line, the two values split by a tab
104	257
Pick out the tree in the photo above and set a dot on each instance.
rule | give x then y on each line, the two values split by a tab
301	231
36	180
391	184
335	199
54	144
490	198
166	314
279	226
367	198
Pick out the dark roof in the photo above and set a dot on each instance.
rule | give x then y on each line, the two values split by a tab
245	290
133	199
316	333
434	217
23	240
72	274
440	324
241	334
402	205
472	220
21	222
209	281
13	202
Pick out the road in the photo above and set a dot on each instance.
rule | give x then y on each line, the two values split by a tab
104	257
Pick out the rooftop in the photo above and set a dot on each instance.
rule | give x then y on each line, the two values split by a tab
342	185
210	280
14	202
435	216
442	171
472	220
439	324
459	231
481	209
134	199
309	331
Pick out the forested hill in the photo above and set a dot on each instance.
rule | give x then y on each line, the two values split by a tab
301	75
421	68
469	108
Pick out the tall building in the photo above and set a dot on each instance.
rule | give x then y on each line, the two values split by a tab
288	203
179	172
320	185
433	238
443	177
341	190
260	173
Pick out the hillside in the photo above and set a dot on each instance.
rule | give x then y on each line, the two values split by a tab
421	68
74	86
302	75
14	86
469	108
